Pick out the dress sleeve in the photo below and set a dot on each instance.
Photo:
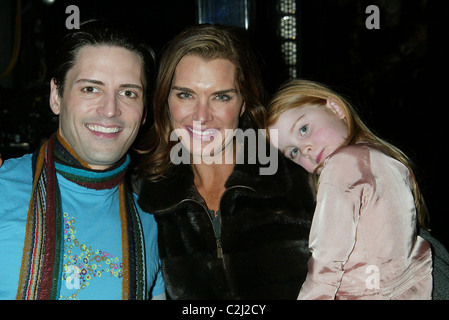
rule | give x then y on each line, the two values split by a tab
343	187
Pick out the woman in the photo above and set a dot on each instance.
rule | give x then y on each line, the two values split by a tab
225	230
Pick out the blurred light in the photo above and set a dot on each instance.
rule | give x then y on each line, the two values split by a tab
288	34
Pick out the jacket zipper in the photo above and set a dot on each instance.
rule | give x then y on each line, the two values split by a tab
218	242
219	247
217	239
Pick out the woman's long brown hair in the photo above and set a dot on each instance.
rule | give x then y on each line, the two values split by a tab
207	42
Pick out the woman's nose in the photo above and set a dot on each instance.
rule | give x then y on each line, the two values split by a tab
202	112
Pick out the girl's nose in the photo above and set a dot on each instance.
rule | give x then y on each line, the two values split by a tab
306	149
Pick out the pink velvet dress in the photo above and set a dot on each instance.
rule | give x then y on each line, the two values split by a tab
363	238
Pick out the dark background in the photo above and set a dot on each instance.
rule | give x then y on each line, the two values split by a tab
396	75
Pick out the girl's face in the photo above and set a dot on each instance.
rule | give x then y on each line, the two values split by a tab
310	133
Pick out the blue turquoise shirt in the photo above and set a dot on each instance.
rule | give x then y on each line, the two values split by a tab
92	261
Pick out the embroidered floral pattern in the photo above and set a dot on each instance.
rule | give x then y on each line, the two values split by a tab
82	264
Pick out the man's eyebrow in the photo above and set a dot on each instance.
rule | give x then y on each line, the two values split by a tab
90	81
131	86
101	83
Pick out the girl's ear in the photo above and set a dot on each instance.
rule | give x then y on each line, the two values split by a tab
55	99
335	107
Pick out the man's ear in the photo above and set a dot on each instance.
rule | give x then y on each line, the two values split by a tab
335	107
55	98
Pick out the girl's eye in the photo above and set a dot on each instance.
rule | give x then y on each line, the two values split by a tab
303	130
128	94
294	153
90	90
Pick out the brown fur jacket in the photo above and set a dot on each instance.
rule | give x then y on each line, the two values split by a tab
265	223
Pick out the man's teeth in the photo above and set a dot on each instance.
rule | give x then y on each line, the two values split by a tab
202	133
102	129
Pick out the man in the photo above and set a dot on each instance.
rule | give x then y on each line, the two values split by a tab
69	224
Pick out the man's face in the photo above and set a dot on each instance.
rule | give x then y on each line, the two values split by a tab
101	108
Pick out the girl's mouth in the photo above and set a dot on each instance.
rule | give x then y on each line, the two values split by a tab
320	155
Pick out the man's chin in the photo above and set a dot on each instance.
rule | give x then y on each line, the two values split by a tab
102	160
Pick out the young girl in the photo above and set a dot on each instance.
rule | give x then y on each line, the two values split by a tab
363	238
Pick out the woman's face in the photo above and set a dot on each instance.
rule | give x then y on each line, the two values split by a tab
309	134
205	104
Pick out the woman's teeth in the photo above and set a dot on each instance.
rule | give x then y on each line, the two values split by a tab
202	133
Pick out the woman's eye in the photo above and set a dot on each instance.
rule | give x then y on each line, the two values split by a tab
184	95
294	153
303	130
90	89
223	97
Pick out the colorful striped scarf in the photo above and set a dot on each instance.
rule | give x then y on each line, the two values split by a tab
40	276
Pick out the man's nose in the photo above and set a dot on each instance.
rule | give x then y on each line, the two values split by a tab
110	106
